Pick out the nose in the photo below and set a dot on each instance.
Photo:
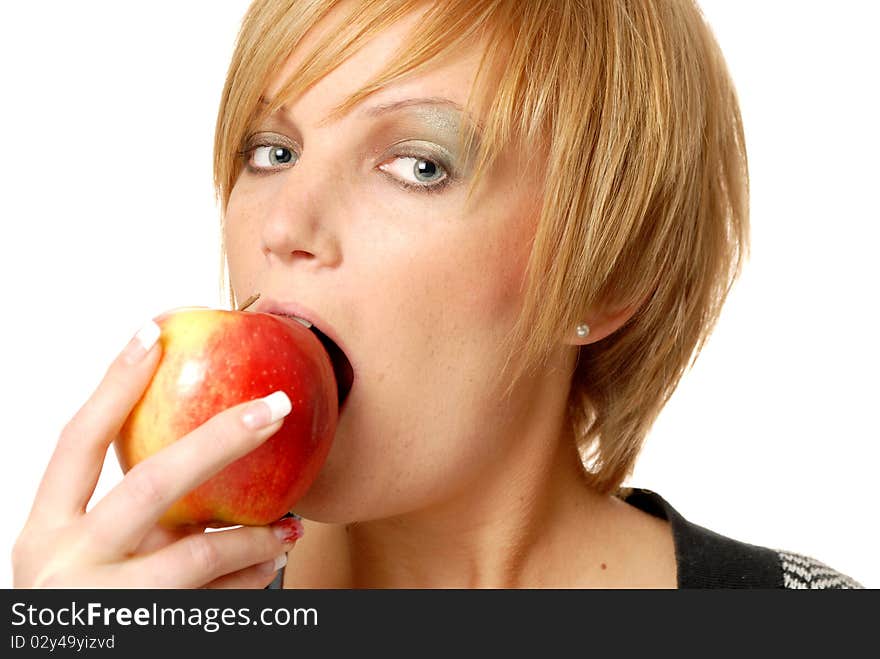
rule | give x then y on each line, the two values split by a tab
299	222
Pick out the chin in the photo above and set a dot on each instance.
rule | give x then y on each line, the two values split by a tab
370	474
339	493
326	504
344	496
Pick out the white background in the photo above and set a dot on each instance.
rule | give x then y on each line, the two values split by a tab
109	218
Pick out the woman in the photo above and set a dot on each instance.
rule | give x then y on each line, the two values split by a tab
520	221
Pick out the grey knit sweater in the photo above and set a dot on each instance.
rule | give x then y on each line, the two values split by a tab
706	559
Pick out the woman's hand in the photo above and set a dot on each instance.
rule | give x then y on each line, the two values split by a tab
118	543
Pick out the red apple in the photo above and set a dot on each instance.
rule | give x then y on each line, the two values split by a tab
213	359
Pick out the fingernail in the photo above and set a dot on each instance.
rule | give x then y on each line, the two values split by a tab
266	411
143	340
274	565
288	530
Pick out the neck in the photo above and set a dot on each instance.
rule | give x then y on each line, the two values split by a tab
514	526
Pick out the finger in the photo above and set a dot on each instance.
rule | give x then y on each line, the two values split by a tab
202	558
159	537
256	576
107	576
119	522
75	465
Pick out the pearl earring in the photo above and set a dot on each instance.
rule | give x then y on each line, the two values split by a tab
582	330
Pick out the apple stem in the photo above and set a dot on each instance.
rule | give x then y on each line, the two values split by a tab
249	301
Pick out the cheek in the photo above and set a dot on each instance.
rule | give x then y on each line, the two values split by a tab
241	239
487	272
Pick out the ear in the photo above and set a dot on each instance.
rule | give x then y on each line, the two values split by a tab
602	324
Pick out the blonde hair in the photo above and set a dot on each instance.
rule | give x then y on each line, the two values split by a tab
645	189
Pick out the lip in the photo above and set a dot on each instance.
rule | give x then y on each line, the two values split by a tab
271	305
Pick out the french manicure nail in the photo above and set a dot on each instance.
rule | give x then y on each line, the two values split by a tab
143	340
280	562
274	565
266	411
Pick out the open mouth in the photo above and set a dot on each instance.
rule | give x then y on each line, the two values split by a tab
342	369
341	366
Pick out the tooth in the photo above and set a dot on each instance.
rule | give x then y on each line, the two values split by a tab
302	321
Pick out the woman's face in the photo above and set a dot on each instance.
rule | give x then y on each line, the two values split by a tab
363	221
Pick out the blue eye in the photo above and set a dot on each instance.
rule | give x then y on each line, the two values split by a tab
270	156
425	168
417	173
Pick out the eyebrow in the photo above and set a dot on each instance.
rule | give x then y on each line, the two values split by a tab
384	108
